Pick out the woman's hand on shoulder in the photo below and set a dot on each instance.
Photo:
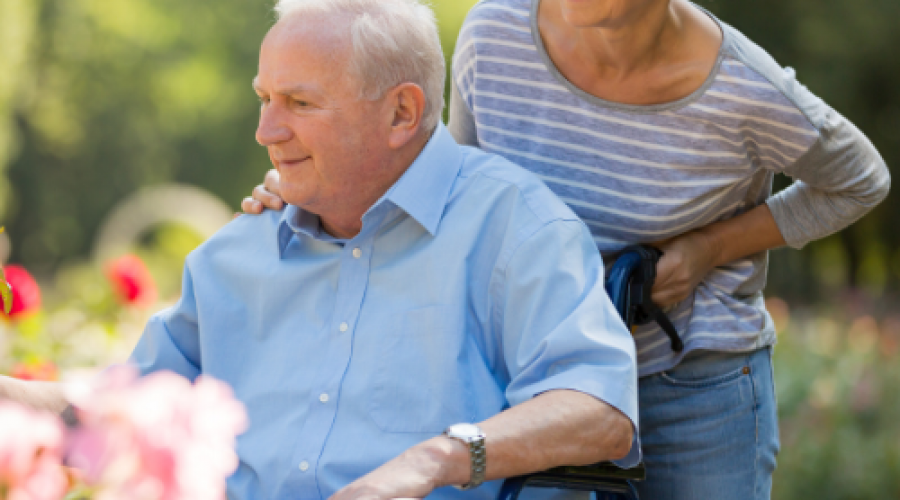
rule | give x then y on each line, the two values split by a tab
686	259
265	195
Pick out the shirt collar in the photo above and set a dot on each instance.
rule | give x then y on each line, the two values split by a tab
421	192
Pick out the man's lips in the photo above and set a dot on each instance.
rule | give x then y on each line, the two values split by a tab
291	162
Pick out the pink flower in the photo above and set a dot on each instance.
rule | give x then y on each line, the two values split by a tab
131	281
158	437
30	454
25	291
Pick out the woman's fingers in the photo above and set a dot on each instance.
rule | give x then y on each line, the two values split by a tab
686	260
265	195
673	283
251	206
272	183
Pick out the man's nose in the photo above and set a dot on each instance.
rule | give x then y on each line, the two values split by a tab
271	129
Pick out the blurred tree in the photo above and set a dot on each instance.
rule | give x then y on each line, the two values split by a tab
118	94
17	37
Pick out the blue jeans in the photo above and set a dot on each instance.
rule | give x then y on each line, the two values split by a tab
709	428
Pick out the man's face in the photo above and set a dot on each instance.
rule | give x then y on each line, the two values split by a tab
327	144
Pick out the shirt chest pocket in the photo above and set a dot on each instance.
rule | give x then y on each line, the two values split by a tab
421	374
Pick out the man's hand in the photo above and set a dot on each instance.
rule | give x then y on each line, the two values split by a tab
266	195
416	473
45	396
685	261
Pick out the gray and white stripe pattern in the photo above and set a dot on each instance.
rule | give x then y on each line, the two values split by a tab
639	173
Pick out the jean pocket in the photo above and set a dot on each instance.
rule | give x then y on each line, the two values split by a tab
708	372
420	380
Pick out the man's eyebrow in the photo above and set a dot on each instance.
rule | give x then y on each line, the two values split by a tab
296	89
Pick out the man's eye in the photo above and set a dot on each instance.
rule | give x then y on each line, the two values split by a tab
263	101
300	104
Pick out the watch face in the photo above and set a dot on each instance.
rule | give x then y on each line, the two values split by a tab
464	430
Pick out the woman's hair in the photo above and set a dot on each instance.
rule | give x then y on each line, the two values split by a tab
393	42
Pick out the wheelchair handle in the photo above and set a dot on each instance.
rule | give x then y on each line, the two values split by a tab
630	285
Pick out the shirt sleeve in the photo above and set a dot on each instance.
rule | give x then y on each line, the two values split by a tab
559	328
837	181
171	338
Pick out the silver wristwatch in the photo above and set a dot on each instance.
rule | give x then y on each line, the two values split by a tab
473	438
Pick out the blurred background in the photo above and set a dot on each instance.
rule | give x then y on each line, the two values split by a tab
126	127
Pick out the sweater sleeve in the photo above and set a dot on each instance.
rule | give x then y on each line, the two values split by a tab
837	181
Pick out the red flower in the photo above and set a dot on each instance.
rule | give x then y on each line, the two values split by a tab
42	370
25	291
131	281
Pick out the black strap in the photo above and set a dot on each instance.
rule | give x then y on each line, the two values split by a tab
657	314
645	310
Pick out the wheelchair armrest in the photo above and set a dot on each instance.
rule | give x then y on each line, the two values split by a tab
603	477
602	470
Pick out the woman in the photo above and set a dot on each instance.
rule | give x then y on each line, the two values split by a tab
659	124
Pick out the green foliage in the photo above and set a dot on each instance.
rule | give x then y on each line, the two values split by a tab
83	324
835	375
123	94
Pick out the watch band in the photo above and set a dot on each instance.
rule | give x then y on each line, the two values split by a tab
473	437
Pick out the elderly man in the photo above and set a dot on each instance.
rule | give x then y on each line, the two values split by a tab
411	288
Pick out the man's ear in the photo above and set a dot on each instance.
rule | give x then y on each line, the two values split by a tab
407	102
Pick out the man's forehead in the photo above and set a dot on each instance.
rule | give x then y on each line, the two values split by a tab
325	33
294	58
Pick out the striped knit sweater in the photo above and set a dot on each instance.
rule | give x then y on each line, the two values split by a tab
645	173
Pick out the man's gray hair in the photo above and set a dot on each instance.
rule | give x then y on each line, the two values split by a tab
393	42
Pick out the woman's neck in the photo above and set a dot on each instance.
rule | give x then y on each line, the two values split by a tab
659	51
622	45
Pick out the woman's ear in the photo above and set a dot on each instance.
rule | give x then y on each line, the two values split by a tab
407	101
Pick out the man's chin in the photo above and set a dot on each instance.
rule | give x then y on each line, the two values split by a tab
302	202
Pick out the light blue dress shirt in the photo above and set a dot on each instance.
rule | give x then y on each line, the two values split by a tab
470	288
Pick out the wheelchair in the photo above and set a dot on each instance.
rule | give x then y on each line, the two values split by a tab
628	283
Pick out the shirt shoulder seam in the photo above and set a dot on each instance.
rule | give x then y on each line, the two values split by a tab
736	38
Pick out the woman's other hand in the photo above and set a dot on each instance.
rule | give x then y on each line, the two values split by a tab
265	195
689	257
685	261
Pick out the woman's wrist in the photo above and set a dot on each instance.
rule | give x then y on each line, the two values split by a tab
714	243
746	234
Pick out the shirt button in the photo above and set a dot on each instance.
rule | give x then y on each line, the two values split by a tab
323	397
344	327
357	253
304	466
